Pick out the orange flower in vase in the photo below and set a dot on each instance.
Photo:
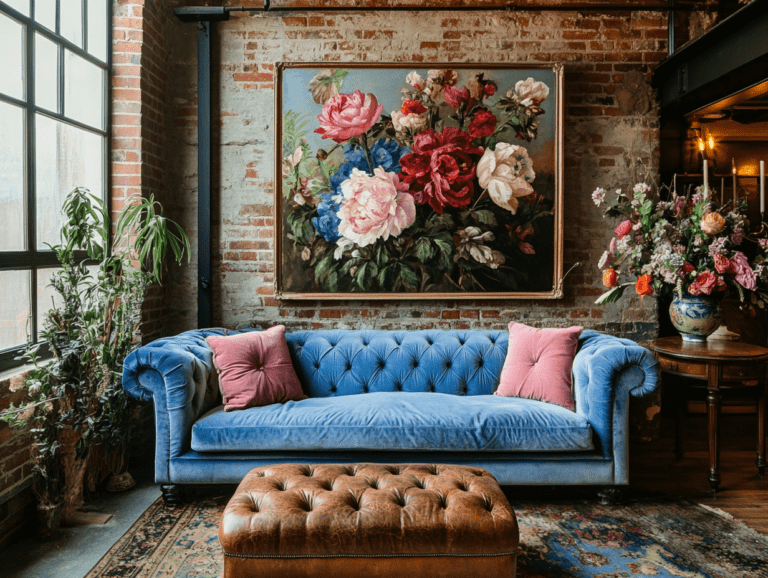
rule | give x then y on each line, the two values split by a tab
610	278
643	285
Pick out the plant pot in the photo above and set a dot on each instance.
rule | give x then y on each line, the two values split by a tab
695	316
120	482
48	520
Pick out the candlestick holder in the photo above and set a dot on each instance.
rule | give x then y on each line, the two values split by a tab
763	231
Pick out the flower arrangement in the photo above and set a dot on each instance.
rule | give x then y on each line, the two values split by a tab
683	246
431	197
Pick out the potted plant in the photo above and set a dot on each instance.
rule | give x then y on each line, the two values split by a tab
76	399
687	248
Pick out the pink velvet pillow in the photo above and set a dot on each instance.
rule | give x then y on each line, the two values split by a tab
538	364
255	369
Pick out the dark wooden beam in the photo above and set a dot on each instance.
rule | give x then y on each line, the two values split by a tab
729	58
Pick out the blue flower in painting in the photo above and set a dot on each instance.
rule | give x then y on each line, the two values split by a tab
327	221
386	154
355	156
345	170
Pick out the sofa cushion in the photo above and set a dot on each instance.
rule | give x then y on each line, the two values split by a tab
255	369
346	362
396	421
539	363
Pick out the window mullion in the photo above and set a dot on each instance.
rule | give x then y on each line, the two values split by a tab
31	172
61	81
85	25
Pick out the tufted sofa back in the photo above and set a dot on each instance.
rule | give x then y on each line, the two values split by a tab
346	362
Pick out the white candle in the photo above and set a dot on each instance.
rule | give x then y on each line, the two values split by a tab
733	170
674	183
762	187
706	182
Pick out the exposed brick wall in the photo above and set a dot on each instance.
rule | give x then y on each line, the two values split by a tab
16	497
603	146
138	91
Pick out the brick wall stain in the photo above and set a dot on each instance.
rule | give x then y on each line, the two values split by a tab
603	147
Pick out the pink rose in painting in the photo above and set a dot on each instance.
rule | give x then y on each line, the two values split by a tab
348	115
374	207
745	276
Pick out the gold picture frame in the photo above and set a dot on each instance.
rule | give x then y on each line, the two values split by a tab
438	181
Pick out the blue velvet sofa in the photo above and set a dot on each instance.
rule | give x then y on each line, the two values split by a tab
397	397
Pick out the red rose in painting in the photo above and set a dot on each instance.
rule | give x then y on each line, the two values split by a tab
440	170
687	268
623	229
413	107
348	115
705	283
483	124
456	97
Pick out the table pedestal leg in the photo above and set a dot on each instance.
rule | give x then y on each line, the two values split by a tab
679	422
713	413
761	408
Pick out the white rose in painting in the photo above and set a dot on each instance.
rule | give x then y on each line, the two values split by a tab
506	173
416	80
412	121
374	207
529	92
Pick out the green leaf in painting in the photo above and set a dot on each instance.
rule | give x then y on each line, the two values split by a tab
442	222
333	281
446	251
294	128
323	267
365	274
338	77
408	276
425	250
386	276
484	216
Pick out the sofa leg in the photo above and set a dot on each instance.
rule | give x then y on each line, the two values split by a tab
610	496
172	495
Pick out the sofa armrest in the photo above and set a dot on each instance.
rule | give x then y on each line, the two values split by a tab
606	371
177	374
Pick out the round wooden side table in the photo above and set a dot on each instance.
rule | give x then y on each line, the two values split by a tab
723	365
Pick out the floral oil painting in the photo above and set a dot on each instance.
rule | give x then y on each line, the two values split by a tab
431	181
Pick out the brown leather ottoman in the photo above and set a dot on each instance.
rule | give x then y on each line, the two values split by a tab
372	520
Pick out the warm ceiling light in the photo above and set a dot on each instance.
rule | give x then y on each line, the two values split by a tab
711	142
715	115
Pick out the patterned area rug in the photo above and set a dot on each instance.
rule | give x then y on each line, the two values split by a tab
568	539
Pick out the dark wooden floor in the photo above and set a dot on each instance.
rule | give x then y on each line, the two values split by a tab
743	494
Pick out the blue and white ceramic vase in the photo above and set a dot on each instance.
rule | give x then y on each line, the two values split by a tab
695	316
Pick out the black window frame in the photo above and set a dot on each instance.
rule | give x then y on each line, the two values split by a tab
32	259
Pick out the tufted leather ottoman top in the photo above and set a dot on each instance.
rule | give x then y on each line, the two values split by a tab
368	510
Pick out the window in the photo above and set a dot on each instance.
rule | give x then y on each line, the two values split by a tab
54	122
